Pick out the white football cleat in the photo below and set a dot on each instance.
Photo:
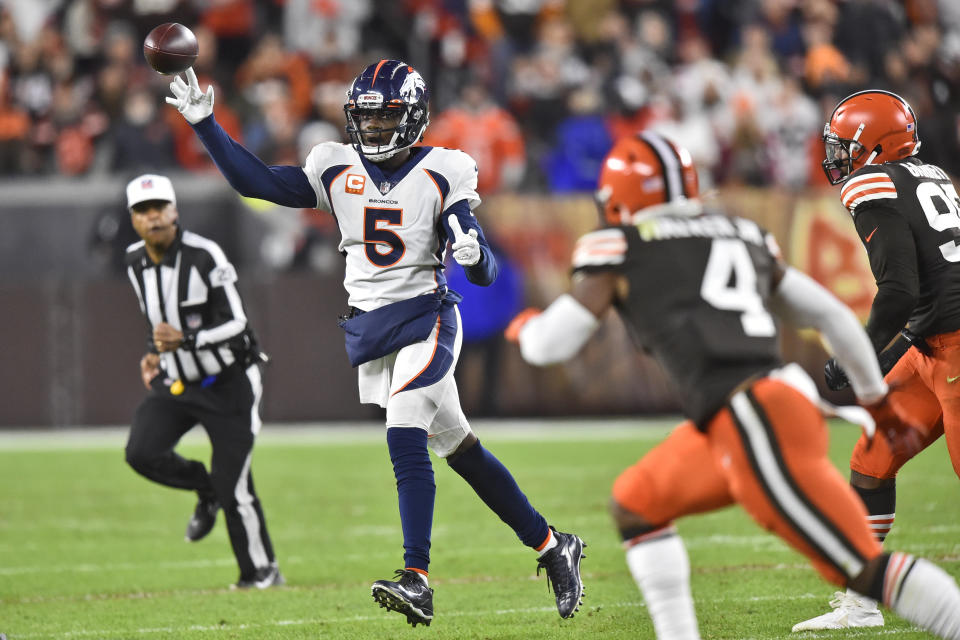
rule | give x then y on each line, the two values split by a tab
849	610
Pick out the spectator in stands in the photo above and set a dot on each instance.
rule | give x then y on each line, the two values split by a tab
541	80
270	64
324	30
14	128
531	56
231	23
142	140
581	144
488	133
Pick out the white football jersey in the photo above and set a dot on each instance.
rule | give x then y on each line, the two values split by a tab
390	231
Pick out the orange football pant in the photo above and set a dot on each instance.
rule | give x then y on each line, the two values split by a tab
767	451
929	387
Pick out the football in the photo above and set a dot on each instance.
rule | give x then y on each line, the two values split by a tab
170	48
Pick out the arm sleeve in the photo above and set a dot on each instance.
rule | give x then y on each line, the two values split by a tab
893	260
558	333
802	302
285	185
485	271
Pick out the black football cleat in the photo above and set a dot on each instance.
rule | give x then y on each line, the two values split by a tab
409	596
562	564
262	578
203	519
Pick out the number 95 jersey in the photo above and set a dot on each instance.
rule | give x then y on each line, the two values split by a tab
390	224
697	299
907	213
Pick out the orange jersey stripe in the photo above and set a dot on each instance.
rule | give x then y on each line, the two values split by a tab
439	190
880	178
882	192
433	354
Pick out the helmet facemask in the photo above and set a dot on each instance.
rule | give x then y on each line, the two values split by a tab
402	134
841	154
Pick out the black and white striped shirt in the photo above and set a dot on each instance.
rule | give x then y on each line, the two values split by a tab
194	290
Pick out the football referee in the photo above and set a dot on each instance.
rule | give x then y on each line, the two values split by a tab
201	366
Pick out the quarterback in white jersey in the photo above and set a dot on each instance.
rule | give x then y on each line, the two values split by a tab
388	226
397	205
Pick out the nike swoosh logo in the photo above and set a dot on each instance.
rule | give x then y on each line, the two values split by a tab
867	239
951	380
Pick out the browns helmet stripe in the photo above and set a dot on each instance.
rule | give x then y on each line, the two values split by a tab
669	162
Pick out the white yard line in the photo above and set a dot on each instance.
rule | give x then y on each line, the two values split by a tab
572	429
147	631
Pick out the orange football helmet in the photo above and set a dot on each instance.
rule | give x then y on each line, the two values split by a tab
869	127
644	171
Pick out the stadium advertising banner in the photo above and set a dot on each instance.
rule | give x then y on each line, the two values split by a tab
80	330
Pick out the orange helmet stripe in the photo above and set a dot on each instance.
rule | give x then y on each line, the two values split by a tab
376	72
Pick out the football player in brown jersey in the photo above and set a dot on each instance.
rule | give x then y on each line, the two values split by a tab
907	214
699	292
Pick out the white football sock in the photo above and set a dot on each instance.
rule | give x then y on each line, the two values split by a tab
661	569
551	543
924	594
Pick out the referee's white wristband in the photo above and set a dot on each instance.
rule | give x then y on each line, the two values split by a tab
558	333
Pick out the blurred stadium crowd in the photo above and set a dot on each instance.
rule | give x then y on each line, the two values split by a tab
535	90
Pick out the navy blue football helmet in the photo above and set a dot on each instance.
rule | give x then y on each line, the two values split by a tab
389	88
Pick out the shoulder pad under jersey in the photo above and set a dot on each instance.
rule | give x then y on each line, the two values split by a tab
869	183
605	247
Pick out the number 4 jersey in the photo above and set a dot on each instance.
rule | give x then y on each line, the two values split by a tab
697	299
907	214
390	225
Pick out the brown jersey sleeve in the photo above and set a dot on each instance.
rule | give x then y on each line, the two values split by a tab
893	260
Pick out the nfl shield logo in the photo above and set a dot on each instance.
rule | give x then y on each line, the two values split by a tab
193	321
384	187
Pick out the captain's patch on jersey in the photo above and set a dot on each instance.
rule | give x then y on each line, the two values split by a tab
355	183
871	186
224	274
608	246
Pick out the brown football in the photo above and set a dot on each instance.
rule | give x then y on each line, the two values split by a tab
170	48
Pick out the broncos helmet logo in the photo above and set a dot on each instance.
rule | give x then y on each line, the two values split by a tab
413	87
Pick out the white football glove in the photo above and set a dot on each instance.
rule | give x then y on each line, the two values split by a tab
466	247
190	101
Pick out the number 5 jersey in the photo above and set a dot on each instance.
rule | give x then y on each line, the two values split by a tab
391	225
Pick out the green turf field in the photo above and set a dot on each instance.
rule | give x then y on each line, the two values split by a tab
88	549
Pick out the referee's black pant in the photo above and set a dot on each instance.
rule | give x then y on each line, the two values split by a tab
229	411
